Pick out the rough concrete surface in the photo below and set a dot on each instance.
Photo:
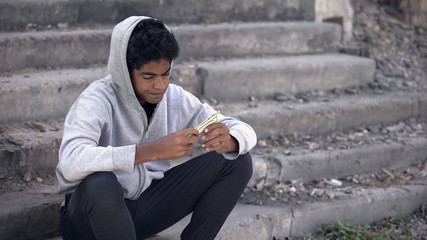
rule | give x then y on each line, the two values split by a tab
17	14
253	58
256	39
57	90
51	49
30	214
338	163
376	204
268	119
342	113
43	95
260	222
266	76
41	50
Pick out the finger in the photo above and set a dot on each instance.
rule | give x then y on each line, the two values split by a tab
212	142
221	140
191	132
220	148
188	147
215	126
191	139
216	131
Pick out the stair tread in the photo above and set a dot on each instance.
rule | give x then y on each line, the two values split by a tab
247	219
197	41
361	136
83	12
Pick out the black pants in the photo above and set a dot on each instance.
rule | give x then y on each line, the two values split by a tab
209	186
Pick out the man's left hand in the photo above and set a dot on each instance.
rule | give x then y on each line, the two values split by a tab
217	138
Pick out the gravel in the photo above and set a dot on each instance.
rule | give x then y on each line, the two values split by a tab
400	52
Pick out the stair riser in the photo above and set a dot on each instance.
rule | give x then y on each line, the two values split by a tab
32	221
54	51
42	160
36	223
50	96
40	154
423	107
43	96
382	203
330	118
259	222
256	39
266	77
84	48
338	163
16	14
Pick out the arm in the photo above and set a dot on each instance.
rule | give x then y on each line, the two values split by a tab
172	146
80	153
238	137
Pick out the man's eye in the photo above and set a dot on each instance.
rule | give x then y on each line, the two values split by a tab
148	78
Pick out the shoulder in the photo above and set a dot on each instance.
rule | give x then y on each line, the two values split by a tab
100	87
176	92
97	95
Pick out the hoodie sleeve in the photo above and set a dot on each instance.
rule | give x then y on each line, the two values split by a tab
80	154
243	133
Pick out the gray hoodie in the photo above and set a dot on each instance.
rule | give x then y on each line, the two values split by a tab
106	122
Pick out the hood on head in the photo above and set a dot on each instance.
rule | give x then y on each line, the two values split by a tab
117	65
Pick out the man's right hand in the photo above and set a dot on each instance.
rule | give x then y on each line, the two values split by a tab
171	146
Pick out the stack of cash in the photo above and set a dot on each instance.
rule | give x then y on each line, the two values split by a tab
208	121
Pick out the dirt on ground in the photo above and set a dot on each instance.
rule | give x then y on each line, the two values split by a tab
400	53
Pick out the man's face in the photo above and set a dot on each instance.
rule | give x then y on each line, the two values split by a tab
151	81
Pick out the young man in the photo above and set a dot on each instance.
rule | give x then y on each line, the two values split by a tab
122	135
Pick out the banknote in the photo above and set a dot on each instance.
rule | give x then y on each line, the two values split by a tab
208	121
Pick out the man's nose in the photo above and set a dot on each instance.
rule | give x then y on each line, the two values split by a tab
161	82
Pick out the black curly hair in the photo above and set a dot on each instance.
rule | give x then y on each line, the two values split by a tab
150	41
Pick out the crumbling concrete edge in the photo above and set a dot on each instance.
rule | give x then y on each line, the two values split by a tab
262	222
376	204
422	106
363	208
338	163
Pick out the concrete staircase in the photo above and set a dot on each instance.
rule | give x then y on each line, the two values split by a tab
259	50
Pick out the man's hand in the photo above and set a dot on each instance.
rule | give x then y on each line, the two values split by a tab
172	146
218	139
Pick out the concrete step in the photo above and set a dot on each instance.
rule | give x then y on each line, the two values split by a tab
30	214
49	94
273	166
33	214
43	95
51	49
274	118
262	222
264	77
15	15
25	148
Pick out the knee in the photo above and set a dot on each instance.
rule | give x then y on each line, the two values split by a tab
101	185
244	166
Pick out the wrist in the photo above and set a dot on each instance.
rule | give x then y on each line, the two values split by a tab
145	153
234	144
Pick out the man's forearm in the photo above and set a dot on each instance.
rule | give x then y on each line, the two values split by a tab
146	153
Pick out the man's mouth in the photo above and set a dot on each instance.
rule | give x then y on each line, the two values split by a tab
157	94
